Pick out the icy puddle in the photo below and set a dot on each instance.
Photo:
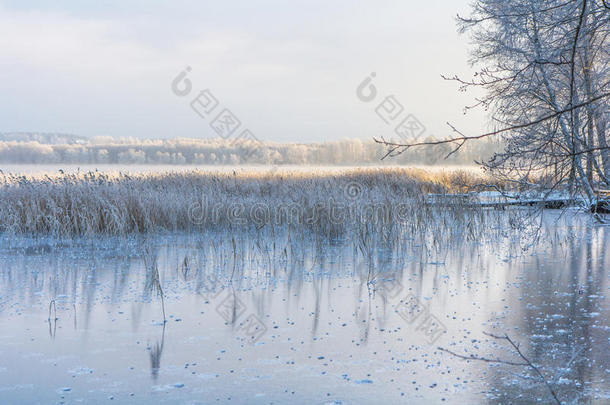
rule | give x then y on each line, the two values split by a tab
272	317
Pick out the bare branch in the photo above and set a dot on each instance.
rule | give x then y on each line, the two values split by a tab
464	138
525	362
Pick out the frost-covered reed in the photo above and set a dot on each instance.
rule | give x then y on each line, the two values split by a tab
327	203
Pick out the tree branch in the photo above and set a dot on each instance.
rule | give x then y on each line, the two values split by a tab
526	361
394	146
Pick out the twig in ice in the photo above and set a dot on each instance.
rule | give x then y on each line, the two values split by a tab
525	362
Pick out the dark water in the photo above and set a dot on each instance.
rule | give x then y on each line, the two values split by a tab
285	317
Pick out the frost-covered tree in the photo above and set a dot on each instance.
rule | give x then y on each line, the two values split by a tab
543	66
541	58
219	151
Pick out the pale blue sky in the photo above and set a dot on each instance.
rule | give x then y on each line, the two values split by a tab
287	69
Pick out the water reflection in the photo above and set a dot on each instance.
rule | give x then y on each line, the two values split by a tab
287	291
52	319
156	352
564	313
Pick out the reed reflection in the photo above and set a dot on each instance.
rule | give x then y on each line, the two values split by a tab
558	308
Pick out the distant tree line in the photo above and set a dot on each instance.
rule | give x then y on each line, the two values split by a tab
105	150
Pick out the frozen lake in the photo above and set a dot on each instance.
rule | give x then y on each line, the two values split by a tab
259	317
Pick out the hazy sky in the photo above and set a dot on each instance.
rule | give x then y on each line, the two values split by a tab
288	70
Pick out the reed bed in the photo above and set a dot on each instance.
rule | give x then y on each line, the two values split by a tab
326	203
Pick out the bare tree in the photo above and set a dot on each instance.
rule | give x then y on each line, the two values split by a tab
544	69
